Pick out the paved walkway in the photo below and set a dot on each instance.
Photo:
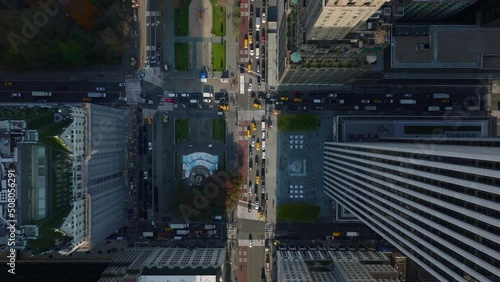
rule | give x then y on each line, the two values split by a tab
188	39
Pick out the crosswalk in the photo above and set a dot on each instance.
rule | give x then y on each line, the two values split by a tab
255	243
133	91
250	115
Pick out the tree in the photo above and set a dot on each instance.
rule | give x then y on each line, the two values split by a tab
73	53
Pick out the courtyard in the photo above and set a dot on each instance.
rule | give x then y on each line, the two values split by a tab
300	166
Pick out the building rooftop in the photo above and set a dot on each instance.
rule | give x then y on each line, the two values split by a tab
436	46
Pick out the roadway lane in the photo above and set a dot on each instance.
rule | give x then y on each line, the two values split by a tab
255	255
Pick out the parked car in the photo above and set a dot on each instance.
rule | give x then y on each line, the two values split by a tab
150	146
15	95
122	84
366	101
207	100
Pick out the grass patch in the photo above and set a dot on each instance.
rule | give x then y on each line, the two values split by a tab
219	60
182	18
301	122
218	19
298	212
182	129
182	56
218	129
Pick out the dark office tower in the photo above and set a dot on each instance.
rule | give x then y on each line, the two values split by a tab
432	10
490	13
437	202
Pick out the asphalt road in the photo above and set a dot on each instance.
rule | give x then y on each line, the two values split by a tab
153	33
386	100
253	230
62	91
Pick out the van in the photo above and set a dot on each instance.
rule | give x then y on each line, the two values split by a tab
317	101
178	238
433	108
218	217
407	102
194	101
172	95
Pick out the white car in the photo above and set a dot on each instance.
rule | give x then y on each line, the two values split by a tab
407	95
184	95
207	101
149	102
263	18
329	238
253	141
365	101
15	95
146	175
249	87
251	52
122	84
150	146
100	89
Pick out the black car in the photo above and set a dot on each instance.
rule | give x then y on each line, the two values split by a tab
251	9
256	160
249	150
250	165
258	79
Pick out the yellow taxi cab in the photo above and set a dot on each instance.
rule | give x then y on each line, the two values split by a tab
8	83
257	146
284	98
224	107
297	99
250	39
168	229
336	234
249	133
258	106
246	43
260	215
150	120
254	125
377	101
257	179
249	67
86	99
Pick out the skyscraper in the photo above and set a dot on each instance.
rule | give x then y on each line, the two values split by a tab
334	19
432	10
437	201
97	138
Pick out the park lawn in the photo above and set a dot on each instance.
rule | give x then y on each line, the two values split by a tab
218	19
300	122
181	56
219	51
182	129
218	129
298	212
182	18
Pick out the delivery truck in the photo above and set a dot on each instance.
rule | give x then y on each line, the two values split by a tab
147	234
96	95
182	232
209	226
257	19
179	225
41	94
352	234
